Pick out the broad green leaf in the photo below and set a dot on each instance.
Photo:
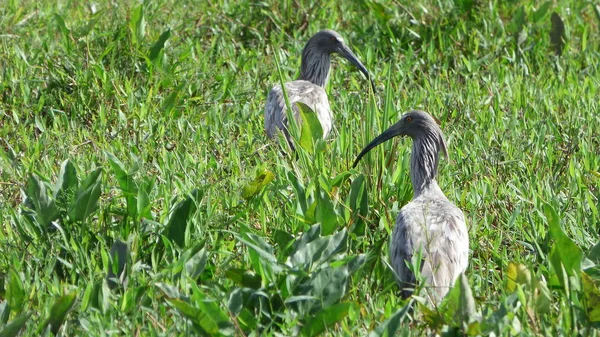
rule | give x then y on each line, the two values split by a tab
466	313
459	305
159	45
319	251
591	201
84	31
169	290
88	293
179	216
37	200
543	298
67	182
137	25
591	292
235	302
594	253
247	320
195	265
8	153
283	239
58	312
499	319
66	33
390	326
198	318
311	130
143	201
359	204
517	274
327	286
325	212
300	191
243	278
310	235
340	179
92	178
119	254
354	263
262	179
15	293
212	310
131	297
265	268
170	102
324	288
12	329
60	22
180	265
4	308
564	251
264	253
126	183
518	20
207	318
86	197
309	214
258	244
541	11
464	5
325	318
104	297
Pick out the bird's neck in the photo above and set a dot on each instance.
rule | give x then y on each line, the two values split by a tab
315	66
423	164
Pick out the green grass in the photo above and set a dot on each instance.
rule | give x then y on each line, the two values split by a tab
158	111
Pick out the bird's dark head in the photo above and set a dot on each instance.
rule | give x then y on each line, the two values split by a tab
415	124
328	42
419	125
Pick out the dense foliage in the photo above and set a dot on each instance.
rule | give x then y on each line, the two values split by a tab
141	197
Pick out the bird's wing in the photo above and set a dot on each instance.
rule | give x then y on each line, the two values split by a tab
443	239
274	111
401	253
447	249
317	100
298	91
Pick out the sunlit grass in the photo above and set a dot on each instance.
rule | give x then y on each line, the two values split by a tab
158	111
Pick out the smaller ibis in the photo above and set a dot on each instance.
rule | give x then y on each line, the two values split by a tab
429	222
309	88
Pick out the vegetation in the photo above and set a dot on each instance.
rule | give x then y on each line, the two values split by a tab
140	195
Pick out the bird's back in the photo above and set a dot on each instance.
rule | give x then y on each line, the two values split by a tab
436	226
305	92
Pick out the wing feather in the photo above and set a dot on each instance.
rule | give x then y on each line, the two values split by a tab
306	92
443	239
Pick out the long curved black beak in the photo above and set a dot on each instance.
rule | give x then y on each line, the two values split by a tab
391	132
345	52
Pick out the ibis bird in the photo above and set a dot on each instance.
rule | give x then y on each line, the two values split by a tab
309	88
429	222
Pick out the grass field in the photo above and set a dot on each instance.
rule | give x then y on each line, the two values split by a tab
140	195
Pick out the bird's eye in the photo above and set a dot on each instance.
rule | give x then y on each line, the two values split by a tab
333	39
408	119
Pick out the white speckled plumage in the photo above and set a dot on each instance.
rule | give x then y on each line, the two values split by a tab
429	222
302	91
